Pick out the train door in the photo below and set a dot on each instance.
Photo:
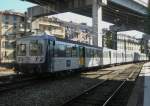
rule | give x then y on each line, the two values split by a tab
50	55
82	56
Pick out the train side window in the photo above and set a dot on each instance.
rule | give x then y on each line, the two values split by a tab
104	54
91	53
60	50
74	51
87	52
99	53
51	42
21	50
95	53
114	54
68	51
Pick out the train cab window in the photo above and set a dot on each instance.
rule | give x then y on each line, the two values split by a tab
21	50
36	48
68	51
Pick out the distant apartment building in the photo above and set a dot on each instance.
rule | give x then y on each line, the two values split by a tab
62	29
78	32
11	24
128	43
49	25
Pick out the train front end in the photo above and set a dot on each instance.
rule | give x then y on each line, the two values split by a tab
30	55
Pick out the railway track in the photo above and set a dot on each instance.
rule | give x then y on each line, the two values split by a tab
104	92
19	81
15	82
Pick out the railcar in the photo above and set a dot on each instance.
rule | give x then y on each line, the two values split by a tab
45	53
48	54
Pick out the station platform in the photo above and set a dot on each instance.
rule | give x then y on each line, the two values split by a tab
141	92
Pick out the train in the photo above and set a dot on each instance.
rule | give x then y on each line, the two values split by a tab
46	53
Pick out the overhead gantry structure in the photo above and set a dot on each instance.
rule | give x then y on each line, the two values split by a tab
127	13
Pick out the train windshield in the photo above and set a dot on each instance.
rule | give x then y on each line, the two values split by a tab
21	49
36	48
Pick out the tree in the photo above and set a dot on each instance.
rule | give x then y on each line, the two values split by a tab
108	39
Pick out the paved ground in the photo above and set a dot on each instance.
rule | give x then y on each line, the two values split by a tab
141	93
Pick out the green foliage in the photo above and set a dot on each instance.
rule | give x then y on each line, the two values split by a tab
109	40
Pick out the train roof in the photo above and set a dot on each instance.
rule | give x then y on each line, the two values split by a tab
51	37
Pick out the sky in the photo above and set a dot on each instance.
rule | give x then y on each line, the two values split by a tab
17	5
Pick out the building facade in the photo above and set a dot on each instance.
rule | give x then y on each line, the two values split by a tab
78	32
128	43
49	25
62	29
11	24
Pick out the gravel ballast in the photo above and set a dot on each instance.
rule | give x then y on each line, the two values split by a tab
50	92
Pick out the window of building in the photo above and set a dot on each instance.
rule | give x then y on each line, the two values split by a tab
15	25
6	25
14	18
6	17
